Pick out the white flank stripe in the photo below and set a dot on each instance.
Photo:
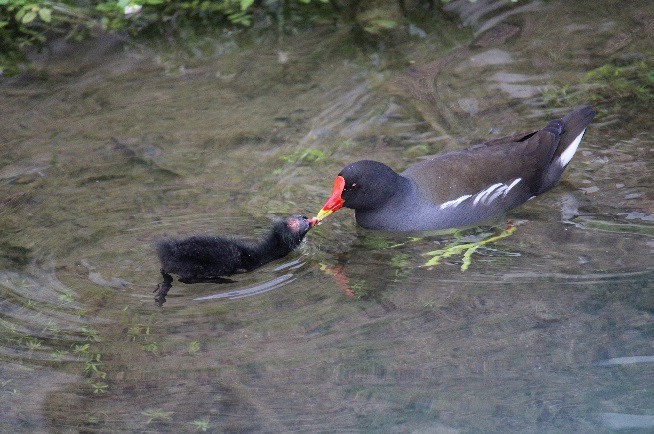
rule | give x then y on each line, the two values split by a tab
454	202
500	192
482	194
485	196
510	186
569	152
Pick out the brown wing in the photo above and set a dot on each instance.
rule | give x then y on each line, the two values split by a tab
468	171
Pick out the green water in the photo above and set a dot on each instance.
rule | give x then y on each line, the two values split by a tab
113	146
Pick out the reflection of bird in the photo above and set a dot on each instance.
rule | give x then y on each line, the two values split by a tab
463	187
201	257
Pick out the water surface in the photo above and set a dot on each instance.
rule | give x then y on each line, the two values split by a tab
549	330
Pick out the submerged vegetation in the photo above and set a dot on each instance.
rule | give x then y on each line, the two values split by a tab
466	247
25	23
612	85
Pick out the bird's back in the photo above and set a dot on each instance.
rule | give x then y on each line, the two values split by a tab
201	256
538	158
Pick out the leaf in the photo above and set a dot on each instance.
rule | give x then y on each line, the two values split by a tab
28	17
433	261
245	4
467	257
45	15
241	18
384	24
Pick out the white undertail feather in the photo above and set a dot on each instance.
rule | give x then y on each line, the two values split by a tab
569	152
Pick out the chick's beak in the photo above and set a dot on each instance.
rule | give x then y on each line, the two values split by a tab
335	201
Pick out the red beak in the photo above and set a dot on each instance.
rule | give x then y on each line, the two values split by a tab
335	201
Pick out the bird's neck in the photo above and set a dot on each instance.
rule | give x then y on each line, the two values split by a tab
273	246
400	204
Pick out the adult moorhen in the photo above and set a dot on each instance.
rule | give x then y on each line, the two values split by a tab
459	188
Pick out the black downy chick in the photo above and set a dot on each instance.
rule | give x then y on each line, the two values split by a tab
202	258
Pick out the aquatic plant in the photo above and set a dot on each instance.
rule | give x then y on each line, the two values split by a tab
52	327
66	298
193	347
89	334
33	343
151	347
200	424
58	355
30	22
81	349
627	82
157	414
609	85
464	248
139	329
25	23
99	387
93	364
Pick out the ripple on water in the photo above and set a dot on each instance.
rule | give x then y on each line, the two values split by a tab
47	343
253	290
546	330
41	316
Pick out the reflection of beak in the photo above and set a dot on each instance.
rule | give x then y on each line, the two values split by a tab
335	202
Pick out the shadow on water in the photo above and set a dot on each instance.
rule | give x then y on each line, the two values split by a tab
549	330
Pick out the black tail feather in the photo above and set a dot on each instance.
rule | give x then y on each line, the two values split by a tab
572	128
573	125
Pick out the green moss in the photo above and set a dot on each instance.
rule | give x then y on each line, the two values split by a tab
608	87
615	82
304	156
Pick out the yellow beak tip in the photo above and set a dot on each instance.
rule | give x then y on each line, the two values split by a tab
323	213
